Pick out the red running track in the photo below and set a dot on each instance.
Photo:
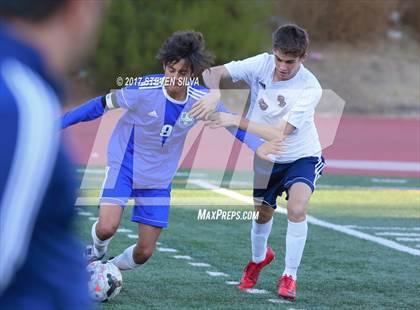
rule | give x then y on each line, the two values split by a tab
354	138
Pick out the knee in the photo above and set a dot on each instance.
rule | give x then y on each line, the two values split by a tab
296	212
106	230
265	214
142	253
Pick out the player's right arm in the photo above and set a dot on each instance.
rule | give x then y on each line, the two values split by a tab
208	104
243	70
266	131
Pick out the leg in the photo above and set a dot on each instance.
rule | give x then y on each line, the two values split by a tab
151	212
261	229
146	243
262	255
297	228
109	220
105	228
139	253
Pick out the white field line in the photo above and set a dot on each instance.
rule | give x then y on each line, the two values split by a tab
83	213
124	230
232	282
375	165
408	239
132	236
186	257
199	264
170	250
216	274
397	234
346	230
391	181
256	291
279	301
382	228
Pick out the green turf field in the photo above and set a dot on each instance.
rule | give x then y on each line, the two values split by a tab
338	271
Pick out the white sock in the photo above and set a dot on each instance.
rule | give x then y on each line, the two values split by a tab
99	246
125	260
259	237
295	243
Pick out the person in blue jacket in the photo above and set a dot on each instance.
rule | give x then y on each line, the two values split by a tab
41	261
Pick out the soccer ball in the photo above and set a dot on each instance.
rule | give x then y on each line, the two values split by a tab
105	280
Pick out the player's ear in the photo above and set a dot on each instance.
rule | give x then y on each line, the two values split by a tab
303	58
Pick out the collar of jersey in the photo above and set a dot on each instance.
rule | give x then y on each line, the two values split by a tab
174	100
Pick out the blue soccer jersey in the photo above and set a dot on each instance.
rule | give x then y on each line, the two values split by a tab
41	262
146	144
157	125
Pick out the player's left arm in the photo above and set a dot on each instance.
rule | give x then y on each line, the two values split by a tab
88	111
94	108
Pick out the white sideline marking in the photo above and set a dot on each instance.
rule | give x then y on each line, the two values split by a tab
279	301
158	243
170	250
408	239
346	230
382	228
397	234
186	257
216	274
200	264
232	282
124	230
256	291
131	236
413	166
92	218
83	213
87	201
398	181
93	171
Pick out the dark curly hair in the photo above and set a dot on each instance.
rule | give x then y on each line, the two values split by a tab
291	39
187	45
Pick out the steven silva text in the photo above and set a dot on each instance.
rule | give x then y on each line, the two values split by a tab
160	81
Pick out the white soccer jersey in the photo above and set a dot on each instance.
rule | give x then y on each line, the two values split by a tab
293	101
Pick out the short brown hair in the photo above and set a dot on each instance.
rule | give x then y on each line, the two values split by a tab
291	39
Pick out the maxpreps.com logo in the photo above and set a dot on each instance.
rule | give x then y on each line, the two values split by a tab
185	120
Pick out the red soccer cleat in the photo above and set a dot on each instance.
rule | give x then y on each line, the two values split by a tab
252	270
287	287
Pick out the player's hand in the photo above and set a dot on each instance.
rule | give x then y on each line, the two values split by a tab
222	119
206	105
267	150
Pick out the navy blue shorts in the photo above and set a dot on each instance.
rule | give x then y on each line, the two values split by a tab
272	179
151	206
